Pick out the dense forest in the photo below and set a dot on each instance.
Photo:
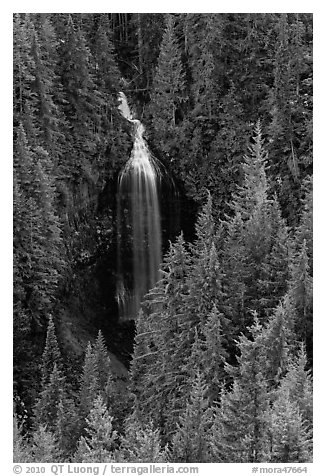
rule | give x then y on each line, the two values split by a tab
217	365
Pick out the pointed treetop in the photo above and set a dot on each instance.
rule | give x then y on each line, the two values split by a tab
205	223
51	355
252	194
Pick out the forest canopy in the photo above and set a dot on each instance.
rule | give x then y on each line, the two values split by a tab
217	366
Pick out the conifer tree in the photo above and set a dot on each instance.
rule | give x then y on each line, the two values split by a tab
214	354
24	68
290	439
47	405
21	318
242	421
260	267
275	268
176	312
205	285
164	315
300	292
205	275
277	342
298	383
205	228
51	354
199	37
116	397
97	445
107	78
44	447
46	87
89	386
222	167
67	427
291	113
253	228
305	229
82	110
234	264
168	90
107	71
252	194
102	363
190	441
21	449
199	126
40	239
141	444
141	357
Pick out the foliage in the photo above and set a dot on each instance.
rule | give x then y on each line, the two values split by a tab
190	442
44	447
220	370
21	449
242	420
290	440
97	445
141	444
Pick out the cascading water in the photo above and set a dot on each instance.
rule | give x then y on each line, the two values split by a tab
139	223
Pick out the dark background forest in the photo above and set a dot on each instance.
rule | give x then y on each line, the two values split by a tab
217	367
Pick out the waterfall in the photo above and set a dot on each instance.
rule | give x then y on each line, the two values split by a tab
138	223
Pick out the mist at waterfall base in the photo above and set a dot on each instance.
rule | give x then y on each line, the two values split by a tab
139	231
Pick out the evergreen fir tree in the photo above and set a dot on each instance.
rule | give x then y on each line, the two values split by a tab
225	154
234	262
51	354
240	432
291	113
252	228
168	90
89	386
46	87
141	444
253	192
199	35
24	68
82	110
290	439
305	229
44	447
205	275
141	356
298	383
190	441
39	242
214	354
102	363
164	315
21	449
260	267
47	405
275	269
277	341
67	427
113	393
97	445
107	71
300	292
21	317
205	228
108	82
